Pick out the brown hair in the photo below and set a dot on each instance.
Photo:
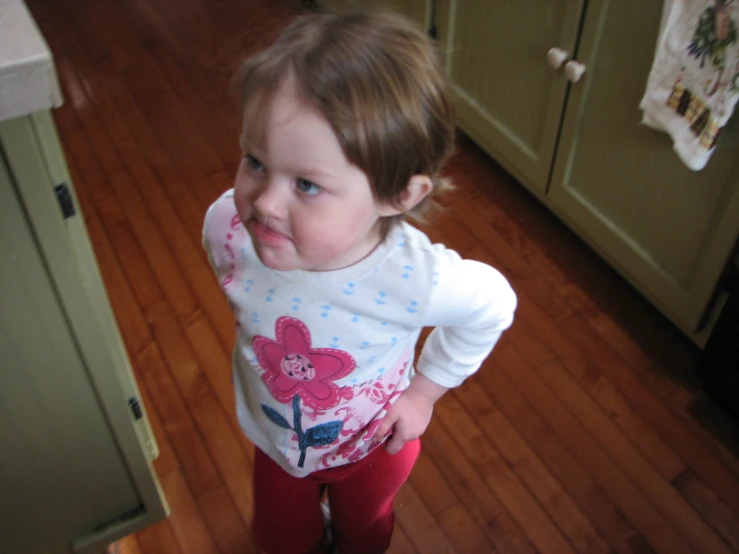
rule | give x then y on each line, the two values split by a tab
377	79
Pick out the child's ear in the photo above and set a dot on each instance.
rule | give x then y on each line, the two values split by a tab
418	188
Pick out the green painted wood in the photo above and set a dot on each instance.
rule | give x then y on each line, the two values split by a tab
509	100
61	468
44	131
621	187
109	460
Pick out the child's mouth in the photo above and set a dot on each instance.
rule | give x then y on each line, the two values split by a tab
267	236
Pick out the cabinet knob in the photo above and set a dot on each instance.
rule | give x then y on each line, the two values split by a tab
556	57
574	71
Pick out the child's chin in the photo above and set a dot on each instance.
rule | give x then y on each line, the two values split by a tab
276	262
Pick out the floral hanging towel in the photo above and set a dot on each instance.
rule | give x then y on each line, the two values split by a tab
694	82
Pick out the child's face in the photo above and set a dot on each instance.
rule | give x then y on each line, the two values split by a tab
304	204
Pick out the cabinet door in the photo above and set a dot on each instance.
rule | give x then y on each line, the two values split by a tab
619	184
61	468
74	465
418	10
510	101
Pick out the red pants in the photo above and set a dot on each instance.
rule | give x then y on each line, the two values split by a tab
287	511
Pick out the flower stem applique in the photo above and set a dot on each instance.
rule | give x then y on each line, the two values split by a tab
294	371
319	435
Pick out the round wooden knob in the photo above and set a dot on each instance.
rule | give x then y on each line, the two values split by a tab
574	71
556	57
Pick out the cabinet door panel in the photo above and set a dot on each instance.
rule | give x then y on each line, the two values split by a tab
510	101
79	323
61	468
620	185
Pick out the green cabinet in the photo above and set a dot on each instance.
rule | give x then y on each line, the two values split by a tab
509	100
580	148
76	465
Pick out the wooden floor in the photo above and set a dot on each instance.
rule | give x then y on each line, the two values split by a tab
584	432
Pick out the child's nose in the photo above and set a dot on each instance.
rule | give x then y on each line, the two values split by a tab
269	201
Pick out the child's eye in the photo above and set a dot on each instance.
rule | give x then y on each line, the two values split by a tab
253	163
306	187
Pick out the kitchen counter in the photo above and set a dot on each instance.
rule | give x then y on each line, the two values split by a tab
28	81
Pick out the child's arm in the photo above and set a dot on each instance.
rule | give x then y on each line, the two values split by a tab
471	307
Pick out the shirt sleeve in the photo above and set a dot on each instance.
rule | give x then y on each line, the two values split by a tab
470	305
216	226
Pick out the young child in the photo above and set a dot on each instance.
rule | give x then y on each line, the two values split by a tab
347	123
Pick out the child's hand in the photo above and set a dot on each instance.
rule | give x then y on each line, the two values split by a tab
410	415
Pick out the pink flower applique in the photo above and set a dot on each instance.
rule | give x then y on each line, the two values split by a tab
292	367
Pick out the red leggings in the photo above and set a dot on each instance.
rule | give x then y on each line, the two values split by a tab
287	512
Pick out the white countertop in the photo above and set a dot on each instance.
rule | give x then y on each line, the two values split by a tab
28	81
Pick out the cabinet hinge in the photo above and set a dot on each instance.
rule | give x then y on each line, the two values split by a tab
135	406
65	200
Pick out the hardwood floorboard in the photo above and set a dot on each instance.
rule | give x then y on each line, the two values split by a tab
437	493
194	459
131	323
586	431
656	488
716	514
187	523
606	516
550	494
124	107
499	528
228	529
127	545
158	539
419	524
500	478
609	476
462	531
400	543
672	430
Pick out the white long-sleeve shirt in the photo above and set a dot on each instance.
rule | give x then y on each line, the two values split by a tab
320	355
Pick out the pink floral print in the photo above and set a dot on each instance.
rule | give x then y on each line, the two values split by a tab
292	367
